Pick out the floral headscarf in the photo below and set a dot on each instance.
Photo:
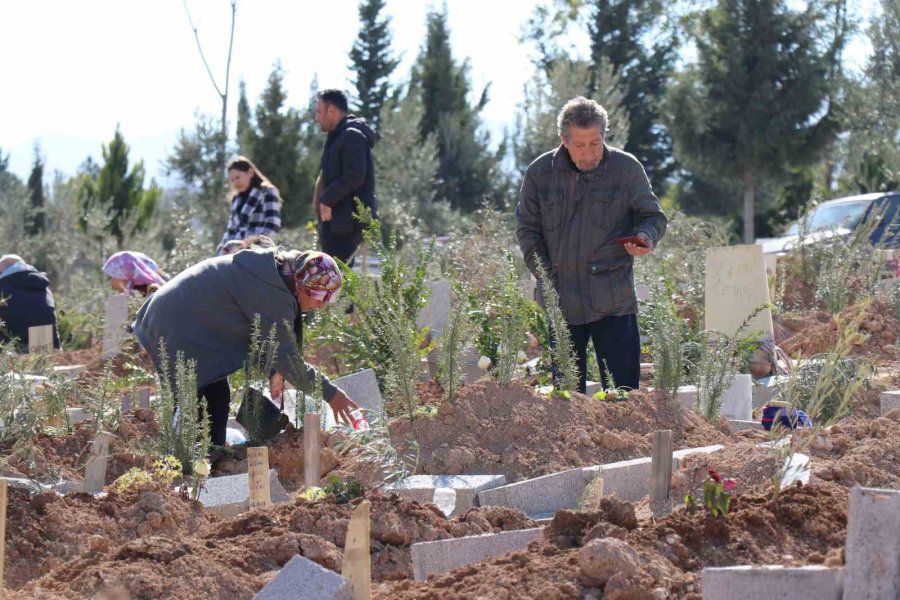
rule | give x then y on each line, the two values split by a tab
315	274
135	268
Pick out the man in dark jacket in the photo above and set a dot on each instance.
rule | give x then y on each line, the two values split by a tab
574	203
25	301
347	173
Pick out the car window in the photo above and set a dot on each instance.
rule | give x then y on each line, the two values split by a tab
832	216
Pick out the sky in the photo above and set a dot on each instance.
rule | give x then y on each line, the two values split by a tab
85	67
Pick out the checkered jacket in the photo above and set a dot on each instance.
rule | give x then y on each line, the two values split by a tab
255	213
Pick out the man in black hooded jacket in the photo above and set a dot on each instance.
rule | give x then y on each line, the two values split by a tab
347	173
25	301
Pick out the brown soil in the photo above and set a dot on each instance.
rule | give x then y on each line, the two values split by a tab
235	558
514	431
817	332
804	524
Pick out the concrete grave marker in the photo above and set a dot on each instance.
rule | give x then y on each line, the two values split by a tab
40	339
361	387
872	551
127	402
114	324
311	450
661	466
772	582
95	470
229	496
797	467
357	564
889	401
432	489
737	401
302	578
736	285
436	313
258	477
144	398
442	556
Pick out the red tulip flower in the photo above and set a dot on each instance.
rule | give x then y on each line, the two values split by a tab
729	484
714	475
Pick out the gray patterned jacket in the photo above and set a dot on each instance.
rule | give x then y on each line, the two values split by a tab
570	220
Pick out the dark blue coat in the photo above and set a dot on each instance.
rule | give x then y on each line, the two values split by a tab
26	302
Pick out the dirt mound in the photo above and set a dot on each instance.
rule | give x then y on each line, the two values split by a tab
806	524
44	531
818	332
516	432
235	558
860	452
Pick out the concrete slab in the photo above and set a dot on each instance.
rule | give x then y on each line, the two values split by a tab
436	313
772	583
77	415
229	496
35	487
541	494
422	488
627	479
687	396
766	389
680	454
889	401
736	285
114	324
737	401
429	558
69	371
797	467
361	387
302	578
872	551
739	425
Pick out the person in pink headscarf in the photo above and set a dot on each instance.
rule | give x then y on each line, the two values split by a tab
134	271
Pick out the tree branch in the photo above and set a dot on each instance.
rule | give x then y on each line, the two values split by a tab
200	48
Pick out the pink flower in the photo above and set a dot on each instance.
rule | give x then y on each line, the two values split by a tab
729	484
714	475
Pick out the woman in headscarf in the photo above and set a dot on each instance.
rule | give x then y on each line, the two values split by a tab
207	313
25	301
133	271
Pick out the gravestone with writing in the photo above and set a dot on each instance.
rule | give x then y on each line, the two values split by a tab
40	339
258	477
736	286
114	324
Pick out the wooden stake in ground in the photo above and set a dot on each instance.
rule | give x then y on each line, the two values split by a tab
2	532
661	466
311	449
95	469
258	477
40	339
357	565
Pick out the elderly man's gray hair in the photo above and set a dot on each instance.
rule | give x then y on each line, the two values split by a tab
582	113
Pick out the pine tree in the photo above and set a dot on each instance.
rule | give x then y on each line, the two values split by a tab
759	101
245	133
372	60
467	168
120	193
628	34
35	221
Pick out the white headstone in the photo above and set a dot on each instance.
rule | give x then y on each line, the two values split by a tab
736	285
114	324
737	401
436	313
362	388
40	339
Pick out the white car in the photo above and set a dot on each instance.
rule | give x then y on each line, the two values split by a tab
840	217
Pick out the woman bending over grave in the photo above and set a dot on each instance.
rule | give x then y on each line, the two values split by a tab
134	271
255	206
25	301
207	313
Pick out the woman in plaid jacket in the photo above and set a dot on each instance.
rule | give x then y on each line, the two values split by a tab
256	207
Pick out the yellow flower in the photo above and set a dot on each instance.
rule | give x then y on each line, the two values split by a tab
202	468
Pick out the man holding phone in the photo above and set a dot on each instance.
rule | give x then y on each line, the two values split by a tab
585	211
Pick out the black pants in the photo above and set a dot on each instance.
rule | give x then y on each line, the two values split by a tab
341	247
218	399
617	342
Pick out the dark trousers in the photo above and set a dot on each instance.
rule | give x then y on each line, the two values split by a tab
218	399
341	247
617	342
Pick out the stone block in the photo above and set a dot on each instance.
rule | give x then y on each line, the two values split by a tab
539	495
229	496
889	401
436	313
872	551
687	396
680	454
766	389
302	578
361	387
737	401
77	415
423	489
69	371
114	324
797	467
736	285
627	479
429	558
739	425
772	583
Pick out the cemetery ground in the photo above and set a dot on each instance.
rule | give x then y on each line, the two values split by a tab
504	490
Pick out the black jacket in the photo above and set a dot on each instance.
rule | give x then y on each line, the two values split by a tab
26	302
348	172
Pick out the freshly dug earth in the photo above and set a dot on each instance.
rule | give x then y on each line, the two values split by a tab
491	429
655	560
817	332
234	559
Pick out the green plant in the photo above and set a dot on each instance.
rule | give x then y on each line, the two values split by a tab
456	334
716	495
132	479
375	445
344	490
667	332
562	350
511	319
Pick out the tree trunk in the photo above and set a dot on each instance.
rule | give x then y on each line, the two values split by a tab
749	208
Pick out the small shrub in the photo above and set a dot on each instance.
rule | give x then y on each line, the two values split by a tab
716	495
452	343
563	354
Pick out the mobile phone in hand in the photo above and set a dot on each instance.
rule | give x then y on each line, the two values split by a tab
632	239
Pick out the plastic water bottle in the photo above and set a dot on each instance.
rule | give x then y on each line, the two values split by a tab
358	419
